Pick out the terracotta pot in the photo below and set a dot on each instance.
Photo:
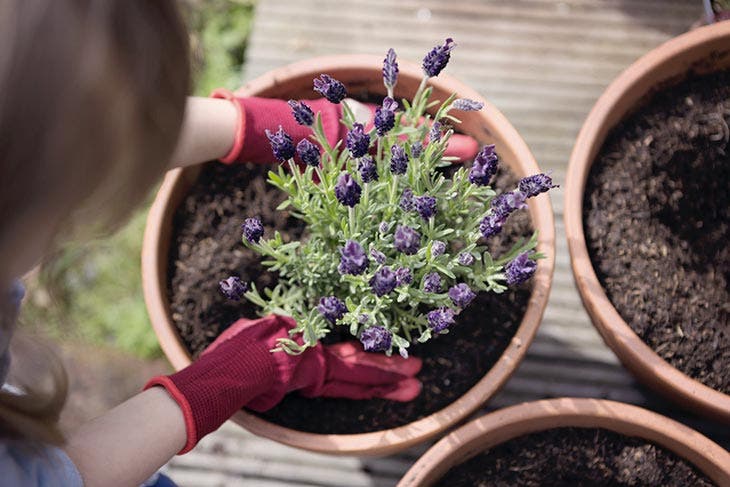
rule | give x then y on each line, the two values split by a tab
703	50
531	417
360	74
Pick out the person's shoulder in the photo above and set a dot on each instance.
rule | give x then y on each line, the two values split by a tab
34	465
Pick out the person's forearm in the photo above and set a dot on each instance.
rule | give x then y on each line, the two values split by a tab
208	131
129	443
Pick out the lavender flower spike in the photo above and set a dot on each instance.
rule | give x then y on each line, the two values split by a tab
367	169
407	240
233	288
434	135
281	144
491	225
432	283
385	116
253	229
390	69
303	114
536	184
347	190
357	141
440	319
330	88
377	256
520	269
425	206
506	203
438	248
461	295
416	149
467	105
437	59
383	281
466	259
403	276
353	260
332	308
484	167
308	153
376	339
406	200
398	160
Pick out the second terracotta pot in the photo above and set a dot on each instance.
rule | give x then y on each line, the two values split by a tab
703	50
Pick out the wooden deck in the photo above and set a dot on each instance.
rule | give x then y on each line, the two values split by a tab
543	63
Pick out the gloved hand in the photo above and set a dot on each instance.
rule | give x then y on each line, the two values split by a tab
238	370
255	115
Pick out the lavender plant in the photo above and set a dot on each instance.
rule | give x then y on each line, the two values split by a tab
394	251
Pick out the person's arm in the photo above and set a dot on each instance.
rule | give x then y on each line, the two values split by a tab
129	443
208	131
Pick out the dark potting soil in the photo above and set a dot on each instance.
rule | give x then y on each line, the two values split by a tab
576	457
657	218
206	248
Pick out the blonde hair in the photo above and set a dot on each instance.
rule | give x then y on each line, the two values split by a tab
93	94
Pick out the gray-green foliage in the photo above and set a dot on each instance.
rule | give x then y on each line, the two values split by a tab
308	270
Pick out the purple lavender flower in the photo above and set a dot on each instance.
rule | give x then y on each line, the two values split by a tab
467	105
466	259
434	135
376	339
253	229
437	59
491	225
484	167
281	144
357	141
308	153
383	281
520	269
536	184
303	114
403	276
352	259
440	319
398	160
416	149
377	256
506	203
384	227
332	308
406	200
330	88
367	169
425	206
390	69
233	288
432	283
438	248
407	240
363	318
347	190
385	116
461	295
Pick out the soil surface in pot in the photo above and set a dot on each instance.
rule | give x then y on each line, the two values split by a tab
575	456
657	218
207	247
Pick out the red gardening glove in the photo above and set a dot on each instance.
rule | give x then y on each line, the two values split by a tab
256	115
239	370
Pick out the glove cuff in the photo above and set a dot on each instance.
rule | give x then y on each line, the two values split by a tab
235	151
212	389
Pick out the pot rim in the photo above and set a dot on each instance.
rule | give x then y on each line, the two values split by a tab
505	424
387	441
636	355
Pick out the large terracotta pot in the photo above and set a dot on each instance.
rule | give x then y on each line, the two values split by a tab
360	73
703	50
515	421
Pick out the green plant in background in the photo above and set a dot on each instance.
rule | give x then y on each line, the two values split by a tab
93	291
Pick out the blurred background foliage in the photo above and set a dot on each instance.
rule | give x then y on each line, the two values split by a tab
92	291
